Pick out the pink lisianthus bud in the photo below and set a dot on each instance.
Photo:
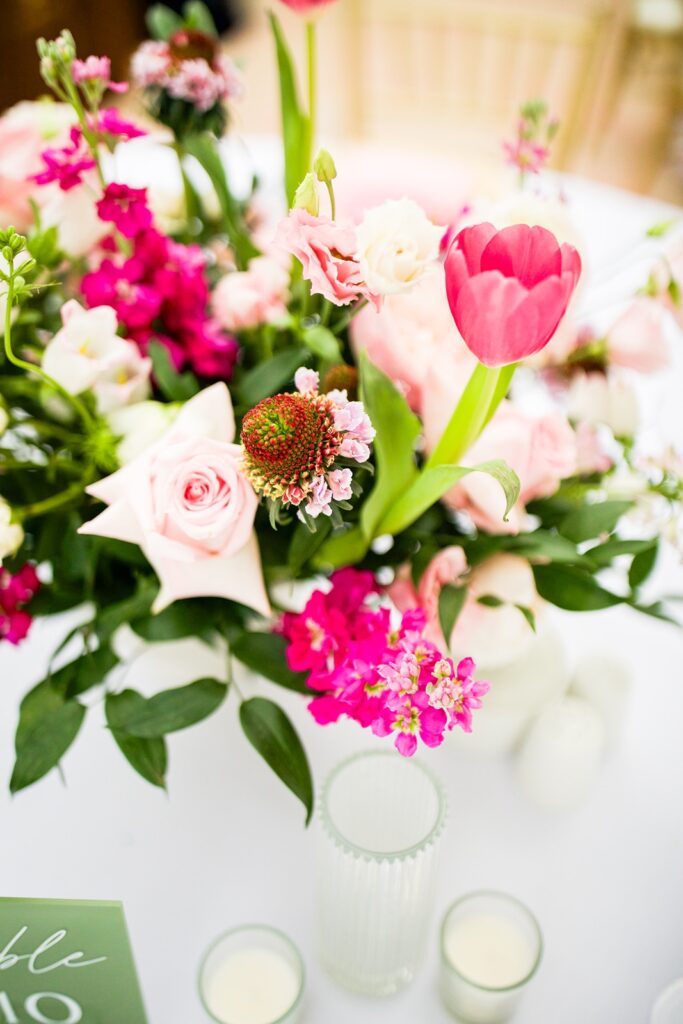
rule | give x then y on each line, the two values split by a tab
509	289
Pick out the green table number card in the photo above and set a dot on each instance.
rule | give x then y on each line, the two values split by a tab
66	962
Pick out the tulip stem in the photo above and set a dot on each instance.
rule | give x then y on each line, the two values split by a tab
312	111
483	393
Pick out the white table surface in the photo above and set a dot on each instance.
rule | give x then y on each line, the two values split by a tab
227	844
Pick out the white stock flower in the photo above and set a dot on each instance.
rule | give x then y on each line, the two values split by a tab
87	354
596	398
397	246
11	534
74	215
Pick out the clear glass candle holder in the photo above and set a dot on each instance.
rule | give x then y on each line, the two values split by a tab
381	818
491	947
668	1008
253	974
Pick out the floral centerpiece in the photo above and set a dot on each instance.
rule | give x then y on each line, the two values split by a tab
194	412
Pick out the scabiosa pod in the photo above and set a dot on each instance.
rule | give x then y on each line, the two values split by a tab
296	447
386	677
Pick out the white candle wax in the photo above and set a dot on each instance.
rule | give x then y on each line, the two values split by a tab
490	950
252	975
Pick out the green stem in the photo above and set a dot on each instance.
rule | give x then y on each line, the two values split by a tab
312	104
41	508
89	136
482	395
21	364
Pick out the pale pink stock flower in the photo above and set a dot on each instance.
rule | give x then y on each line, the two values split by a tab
327	253
186	502
150	63
306	380
249	298
96	69
359	433
340	484
636	341
320	498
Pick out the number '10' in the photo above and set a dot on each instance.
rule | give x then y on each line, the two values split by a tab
32	1008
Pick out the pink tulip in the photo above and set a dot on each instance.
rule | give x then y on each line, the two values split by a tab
509	289
306	6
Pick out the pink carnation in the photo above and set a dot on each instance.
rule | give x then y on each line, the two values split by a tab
327	253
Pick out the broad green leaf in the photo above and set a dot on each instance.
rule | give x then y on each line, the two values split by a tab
642	565
295	127
604	554
323	343
345	548
304	545
136	606
451	602
168	711
204	149
591	521
433	483
197	16
177	387
543	544
48	725
179	620
483	393
270	377
397	430
572	588
148	757
490	601
162	22
265	654
528	615
657	610
271	733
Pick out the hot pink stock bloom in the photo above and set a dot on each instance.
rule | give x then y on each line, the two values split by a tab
110	123
16	591
126	208
390	680
509	289
66	164
96	69
541	450
327	253
306	6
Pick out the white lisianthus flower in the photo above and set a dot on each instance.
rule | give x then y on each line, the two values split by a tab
74	214
138	426
596	398
397	246
88	355
11	534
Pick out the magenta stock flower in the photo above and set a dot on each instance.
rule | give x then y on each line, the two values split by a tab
126	208
390	680
16	591
66	164
509	289
110	123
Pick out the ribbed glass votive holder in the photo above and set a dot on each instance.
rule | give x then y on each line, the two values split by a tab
381	818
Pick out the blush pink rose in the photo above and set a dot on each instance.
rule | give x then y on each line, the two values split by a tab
541	450
413	331
327	253
252	297
187	504
636	341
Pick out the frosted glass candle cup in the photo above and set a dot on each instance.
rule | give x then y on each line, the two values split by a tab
381	819
491	946
252	975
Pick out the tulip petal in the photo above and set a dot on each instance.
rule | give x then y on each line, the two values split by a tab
471	243
529	254
483	314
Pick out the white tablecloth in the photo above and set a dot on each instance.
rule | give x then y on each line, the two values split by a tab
227	844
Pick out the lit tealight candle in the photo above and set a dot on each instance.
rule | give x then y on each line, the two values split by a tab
490	949
252	975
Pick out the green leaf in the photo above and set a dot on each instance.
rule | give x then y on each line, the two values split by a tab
295	128
590	521
271	733
148	757
203	148
490	601
48	725
657	610
88	670
181	619
270	377
543	544
304	545
451	601
170	710
433	483
177	387
344	548
265	654
397	430
604	554
136	606
572	588
528	615
196	15
642	565
162	22
662	228
323	343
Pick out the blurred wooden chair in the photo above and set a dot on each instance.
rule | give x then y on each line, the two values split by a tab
452	74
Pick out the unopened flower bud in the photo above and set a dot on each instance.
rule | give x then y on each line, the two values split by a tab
324	166
306	196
